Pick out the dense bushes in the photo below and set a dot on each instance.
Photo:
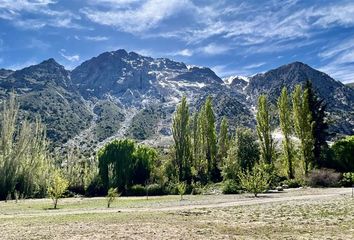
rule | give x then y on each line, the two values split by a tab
323	178
343	155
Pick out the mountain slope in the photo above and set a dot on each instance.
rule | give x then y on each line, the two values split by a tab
119	94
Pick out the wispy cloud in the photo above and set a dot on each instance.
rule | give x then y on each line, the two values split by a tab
96	38
21	65
214	49
144	17
71	58
255	65
40	13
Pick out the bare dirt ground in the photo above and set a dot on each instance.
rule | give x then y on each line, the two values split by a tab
292	214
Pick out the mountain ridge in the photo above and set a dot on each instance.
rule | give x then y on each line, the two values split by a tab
125	94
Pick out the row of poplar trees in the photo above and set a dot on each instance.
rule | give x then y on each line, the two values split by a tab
200	154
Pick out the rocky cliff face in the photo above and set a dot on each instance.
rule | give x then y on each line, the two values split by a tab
119	94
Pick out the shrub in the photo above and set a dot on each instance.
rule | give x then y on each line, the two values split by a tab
95	188
343	155
230	187
292	183
347	179
57	187
323	178
181	189
155	190
111	196
256	181
136	190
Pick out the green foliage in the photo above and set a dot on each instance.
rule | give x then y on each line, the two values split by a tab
343	155
319	126
264	130
230	187
57	186
303	126
182	141
181	187
242	155
348	179
285	125
255	181
111	196
137	190
223	142
122	164
24	154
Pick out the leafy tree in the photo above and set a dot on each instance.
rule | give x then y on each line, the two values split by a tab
264	130
211	145
320	126
23	153
343	155
181	187
242	155
111	196
223	142
57	187
285	125
255	181
182	141
303	126
122	164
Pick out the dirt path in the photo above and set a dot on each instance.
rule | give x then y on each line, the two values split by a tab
191	205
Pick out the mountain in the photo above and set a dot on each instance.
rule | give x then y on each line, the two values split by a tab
123	94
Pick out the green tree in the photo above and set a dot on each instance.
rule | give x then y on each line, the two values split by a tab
122	164
242	155
24	154
343	155
211	144
57	187
223	142
285	125
182	141
303	126
320	126
255	181
111	196
181	187
264	130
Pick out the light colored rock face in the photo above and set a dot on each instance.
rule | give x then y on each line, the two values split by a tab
120	94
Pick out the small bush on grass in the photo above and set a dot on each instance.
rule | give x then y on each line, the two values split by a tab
137	190
155	190
57	187
347	179
256	181
111	196
230	187
323	178
181	189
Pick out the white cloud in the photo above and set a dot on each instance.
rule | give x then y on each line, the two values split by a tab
96	38
41	14
214	49
18	66
71	58
184	52
147	16
255	65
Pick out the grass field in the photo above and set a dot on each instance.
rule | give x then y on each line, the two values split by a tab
292	214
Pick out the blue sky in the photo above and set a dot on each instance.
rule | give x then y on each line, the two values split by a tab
231	37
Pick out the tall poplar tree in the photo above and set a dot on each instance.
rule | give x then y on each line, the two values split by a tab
182	140
211	144
320	126
303	126
223	141
264	130
285	125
